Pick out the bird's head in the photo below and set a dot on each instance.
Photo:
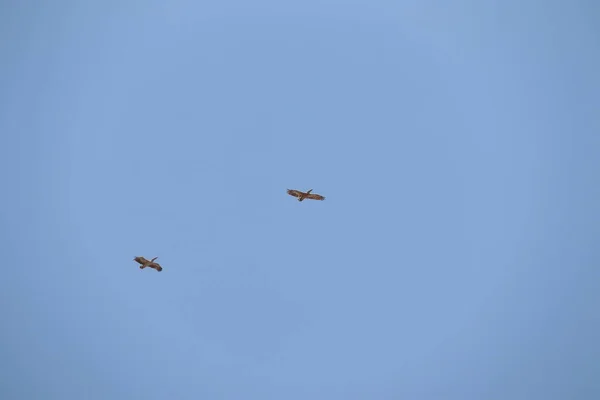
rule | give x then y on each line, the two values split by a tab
309	191
153	259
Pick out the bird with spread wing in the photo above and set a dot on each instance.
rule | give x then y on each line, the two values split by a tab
305	195
145	263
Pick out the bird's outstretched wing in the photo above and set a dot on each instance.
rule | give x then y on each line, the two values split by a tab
141	260
294	193
315	196
156	266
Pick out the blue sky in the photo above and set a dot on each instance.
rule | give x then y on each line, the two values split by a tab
455	256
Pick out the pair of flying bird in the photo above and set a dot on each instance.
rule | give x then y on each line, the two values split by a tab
296	193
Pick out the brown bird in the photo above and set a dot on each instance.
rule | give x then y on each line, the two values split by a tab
302	195
145	263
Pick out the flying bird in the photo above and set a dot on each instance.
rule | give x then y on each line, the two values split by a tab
305	195
145	263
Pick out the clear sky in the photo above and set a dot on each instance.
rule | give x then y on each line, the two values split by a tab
455	257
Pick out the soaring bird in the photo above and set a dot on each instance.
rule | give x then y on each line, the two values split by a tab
302	195
145	263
